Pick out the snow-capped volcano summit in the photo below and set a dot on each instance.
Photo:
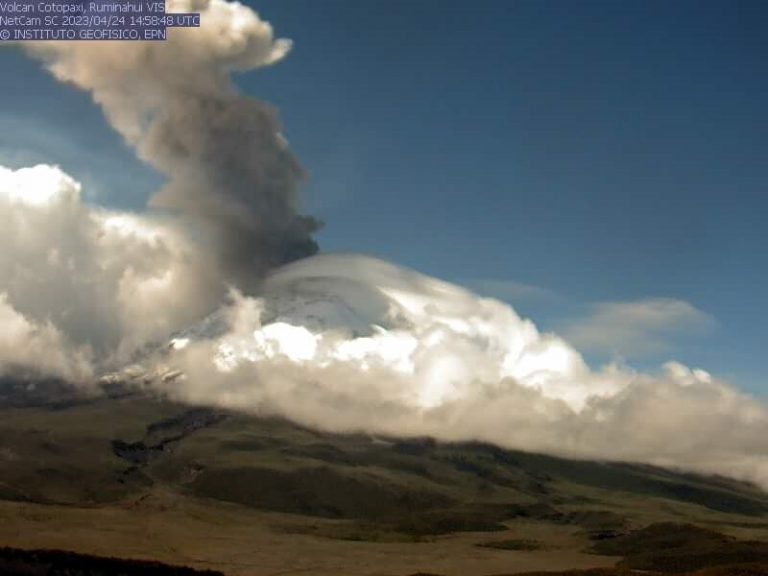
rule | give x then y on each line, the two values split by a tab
361	311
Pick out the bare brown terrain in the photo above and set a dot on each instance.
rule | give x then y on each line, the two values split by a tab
239	541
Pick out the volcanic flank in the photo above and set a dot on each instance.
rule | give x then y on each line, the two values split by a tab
348	342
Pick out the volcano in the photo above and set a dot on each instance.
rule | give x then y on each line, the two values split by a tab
356	310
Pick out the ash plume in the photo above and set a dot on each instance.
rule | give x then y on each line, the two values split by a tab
228	168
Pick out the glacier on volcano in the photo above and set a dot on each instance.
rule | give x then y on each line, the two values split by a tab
344	308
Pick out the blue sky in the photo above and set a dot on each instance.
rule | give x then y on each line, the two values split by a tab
600	165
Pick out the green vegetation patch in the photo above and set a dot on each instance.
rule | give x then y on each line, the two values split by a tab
317	491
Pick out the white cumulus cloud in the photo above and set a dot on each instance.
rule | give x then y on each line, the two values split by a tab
80	284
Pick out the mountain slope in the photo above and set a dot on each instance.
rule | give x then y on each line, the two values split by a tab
128	453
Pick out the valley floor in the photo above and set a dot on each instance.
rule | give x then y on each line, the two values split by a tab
238	541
